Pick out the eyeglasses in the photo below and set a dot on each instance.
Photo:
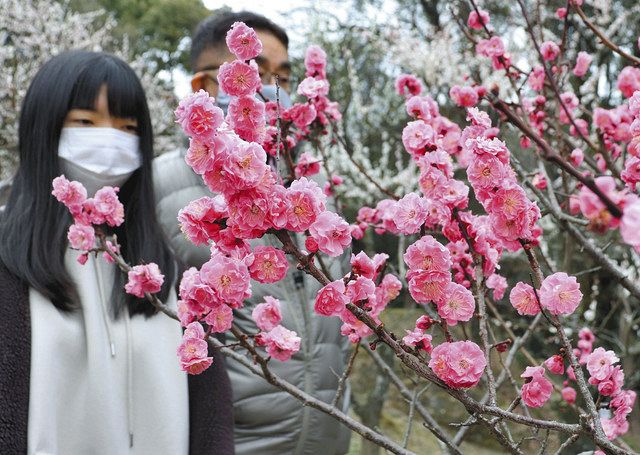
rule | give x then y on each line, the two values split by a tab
198	80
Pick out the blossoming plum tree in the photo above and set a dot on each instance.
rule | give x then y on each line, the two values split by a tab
473	203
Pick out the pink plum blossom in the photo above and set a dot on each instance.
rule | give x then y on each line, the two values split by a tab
456	305
425	286
485	171
302	115
199	116
388	290
536	78
631	173
200	219
612	384
560	293
331	299
555	364
144	278
246	113
220	318
105	207
408	85
305	202
81	237
331	232
307	165
200	156
577	156
629	80
422	107
269	264
418	339
463	96
238	78
195	293
315	61
362	288
498	284
493	47
228	277
243	41
630	225
192	352
549	50
537	391
458	364
600	364
478	19
70	193
281	343
410	213
313	88
245	166
569	394
418	137
267	315
362	265
582	64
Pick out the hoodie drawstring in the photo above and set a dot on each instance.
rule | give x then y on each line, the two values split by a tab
127	322
112	347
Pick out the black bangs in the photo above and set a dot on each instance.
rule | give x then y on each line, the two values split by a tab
125	95
33	226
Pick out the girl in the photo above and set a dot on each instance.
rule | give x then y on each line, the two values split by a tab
86	368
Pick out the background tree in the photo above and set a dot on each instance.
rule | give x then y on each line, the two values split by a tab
32	31
158	29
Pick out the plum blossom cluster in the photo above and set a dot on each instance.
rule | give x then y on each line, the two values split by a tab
429	280
434	142
365	287
250	200
559	293
303	120
604	374
103	208
458	364
631	175
512	215
193	350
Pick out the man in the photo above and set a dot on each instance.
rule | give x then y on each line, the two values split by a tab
267	420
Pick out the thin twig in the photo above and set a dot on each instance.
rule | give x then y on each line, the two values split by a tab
606	41
343	379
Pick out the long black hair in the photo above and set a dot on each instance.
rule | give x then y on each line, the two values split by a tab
34	225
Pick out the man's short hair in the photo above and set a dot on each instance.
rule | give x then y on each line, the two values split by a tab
212	31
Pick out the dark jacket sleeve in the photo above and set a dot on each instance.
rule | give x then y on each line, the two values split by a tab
15	364
211	410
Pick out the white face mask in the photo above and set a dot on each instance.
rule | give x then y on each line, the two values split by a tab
98	157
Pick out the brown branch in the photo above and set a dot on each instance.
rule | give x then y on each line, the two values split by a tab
596	253
345	375
478	282
606	41
359	166
263	370
594	425
552	156
552	81
429	421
